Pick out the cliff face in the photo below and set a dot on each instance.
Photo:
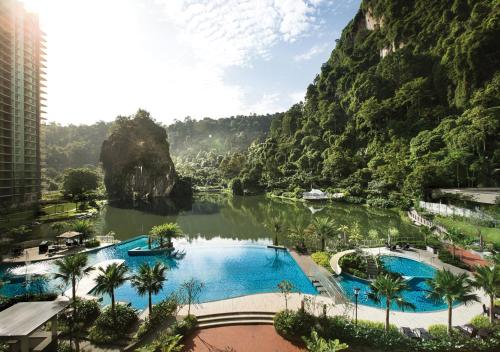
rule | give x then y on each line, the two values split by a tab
136	159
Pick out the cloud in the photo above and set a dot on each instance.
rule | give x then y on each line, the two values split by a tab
296	97
314	51
233	32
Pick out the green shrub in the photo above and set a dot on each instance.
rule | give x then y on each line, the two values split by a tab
107	330
438	330
481	322
87	311
92	243
322	258
354	264
447	257
160	313
185	326
293	325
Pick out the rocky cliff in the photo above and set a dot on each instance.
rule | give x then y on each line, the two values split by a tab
136	159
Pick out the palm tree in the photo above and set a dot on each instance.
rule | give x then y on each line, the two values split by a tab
84	227
488	279
71	269
322	227
275	225
109	279
297	233
356	235
391	290
445	286
149	280
168	230
344	229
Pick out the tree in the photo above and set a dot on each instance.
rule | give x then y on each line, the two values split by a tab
297	234
149	280
168	230
322	227
77	182
285	288
190	291
70	270
488	279
237	187
110	279
343	229
355	233
318	344
275	225
84	227
390	290
450	288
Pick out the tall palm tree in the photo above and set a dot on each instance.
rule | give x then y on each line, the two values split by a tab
297	233
445	286
388	289
488	279
110	279
344	229
168	230
275	225
323	228
84	227
149	280
71	269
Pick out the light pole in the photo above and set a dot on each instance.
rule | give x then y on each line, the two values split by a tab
356	294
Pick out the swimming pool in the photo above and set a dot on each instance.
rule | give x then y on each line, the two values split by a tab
228	268
416	274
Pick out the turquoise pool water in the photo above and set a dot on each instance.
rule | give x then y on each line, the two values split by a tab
227	268
416	274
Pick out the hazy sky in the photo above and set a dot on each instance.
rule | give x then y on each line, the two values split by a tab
176	58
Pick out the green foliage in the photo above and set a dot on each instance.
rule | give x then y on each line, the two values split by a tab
87	311
160	314
109	279
237	187
481	322
110	327
92	243
318	344
71	269
387	129
438	331
189	292
293	325
61	347
149	280
322	258
185	326
354	264
164	343
77	182
84	227
167	230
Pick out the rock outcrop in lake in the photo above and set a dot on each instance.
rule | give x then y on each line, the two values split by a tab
136	159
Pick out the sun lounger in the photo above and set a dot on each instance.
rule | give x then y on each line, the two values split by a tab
423	334
466	330
408	333
483	333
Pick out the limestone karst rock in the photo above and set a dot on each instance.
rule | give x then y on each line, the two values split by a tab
136	159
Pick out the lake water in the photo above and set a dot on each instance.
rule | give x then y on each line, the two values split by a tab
214	215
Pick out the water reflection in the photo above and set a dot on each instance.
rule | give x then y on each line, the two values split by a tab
242	218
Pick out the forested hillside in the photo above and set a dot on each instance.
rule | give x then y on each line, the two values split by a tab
197	146
408	100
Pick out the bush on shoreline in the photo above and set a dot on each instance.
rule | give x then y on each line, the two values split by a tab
107	329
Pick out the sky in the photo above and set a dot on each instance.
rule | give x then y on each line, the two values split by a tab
178	58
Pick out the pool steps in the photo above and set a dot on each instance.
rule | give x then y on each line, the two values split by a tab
235	318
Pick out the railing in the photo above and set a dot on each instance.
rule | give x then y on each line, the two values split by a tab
413	215
106	239
332	288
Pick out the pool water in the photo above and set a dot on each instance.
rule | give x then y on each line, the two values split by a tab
227	268
416	274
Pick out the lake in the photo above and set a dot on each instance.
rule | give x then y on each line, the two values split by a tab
233	217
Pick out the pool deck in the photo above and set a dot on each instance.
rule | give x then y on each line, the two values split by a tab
31	254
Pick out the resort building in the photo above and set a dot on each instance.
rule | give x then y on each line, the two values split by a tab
22	65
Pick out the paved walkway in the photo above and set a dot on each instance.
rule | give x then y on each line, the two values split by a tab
239	338
468	257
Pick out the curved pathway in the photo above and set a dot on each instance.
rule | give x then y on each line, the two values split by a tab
334	260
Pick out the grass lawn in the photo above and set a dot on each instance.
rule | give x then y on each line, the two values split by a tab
491	234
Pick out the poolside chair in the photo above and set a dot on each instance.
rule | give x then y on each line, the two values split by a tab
408	332
483	333
423	334
466	330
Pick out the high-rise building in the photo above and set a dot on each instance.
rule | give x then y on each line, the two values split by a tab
22	64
